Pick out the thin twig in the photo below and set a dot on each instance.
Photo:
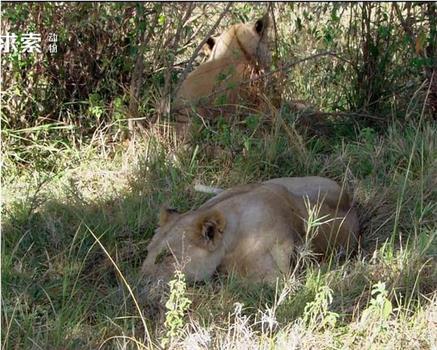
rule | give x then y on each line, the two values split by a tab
275	28
176	38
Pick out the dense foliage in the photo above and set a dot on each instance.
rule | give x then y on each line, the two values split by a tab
116	61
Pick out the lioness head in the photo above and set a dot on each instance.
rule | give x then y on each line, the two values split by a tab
192	244
244	41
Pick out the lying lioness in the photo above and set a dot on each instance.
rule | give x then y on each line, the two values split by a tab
253	230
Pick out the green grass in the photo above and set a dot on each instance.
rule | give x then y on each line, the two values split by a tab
74	237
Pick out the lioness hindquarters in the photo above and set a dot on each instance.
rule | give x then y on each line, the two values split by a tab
331	221
330	229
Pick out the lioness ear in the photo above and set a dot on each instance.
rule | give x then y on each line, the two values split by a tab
210	227
165	214
209	45
210	42
262	24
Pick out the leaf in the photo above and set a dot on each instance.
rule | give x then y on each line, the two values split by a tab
387	309
161	20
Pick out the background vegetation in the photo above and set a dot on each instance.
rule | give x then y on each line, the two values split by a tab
87	160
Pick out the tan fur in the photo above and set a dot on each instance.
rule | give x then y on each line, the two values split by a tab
252	230
239	50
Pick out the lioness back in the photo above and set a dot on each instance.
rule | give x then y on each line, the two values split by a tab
317	189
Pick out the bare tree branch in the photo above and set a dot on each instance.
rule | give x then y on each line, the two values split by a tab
176	38
137	74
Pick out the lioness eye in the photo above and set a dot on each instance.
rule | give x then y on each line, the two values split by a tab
160	257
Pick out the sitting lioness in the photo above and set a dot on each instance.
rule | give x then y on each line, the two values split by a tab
234	56
253	230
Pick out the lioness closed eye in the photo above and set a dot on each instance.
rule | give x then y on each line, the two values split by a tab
252	230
